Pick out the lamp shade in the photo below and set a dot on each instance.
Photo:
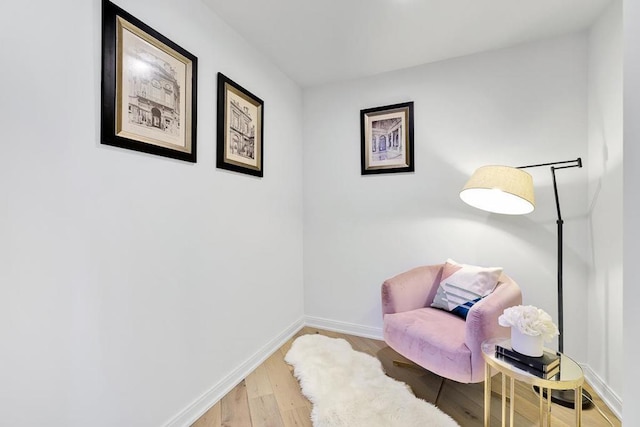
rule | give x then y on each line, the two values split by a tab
500	189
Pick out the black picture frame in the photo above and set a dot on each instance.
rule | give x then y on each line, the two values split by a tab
149	89
386	135
240	129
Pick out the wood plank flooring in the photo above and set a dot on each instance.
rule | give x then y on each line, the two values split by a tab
270	396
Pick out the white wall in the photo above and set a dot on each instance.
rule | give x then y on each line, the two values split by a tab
604	319
516	106
631	178
126	290
133	284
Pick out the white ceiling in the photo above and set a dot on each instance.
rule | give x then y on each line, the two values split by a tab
321	41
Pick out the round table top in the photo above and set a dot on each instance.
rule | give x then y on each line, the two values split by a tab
571	375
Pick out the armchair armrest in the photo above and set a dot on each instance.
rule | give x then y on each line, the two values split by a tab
482	320
410	290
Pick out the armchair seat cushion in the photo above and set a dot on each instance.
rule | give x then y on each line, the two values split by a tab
418	336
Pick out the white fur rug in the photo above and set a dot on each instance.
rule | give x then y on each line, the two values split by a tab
350	389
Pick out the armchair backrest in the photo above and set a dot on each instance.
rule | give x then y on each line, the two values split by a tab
417	288
411	290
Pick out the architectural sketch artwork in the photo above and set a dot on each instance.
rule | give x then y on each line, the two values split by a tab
152	98
242	128
386	139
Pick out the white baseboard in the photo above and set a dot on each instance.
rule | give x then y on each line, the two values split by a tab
344	327
609	397
201	405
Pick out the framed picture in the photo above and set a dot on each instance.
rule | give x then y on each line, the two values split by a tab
148	88
387	139
240	128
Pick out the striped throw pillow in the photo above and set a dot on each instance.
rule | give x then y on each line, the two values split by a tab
464	285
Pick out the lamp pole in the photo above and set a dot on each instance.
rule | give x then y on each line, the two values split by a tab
577	163
562	397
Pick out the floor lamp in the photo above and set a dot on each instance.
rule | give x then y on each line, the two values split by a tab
509	190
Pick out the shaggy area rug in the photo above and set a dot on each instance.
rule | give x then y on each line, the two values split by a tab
349	388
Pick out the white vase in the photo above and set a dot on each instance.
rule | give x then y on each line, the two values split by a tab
526	344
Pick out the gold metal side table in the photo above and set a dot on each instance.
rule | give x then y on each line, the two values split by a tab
571	377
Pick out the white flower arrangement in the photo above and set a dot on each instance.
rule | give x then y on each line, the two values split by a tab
529	320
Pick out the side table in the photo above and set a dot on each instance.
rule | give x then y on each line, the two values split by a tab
571	377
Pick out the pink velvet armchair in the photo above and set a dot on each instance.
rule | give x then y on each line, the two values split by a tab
435	339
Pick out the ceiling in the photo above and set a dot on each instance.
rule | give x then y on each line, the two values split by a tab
321	41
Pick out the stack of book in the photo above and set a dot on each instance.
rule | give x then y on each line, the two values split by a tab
546	366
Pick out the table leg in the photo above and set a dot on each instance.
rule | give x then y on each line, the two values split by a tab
548	407
504	400
487	395
578	403
512	401
541	403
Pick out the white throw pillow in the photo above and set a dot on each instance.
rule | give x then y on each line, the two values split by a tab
463	285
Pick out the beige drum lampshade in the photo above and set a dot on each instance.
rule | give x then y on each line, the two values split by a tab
500	189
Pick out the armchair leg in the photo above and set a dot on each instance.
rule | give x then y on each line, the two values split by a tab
439	390
403	364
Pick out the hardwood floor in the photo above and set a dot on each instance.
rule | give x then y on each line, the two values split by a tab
270	396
